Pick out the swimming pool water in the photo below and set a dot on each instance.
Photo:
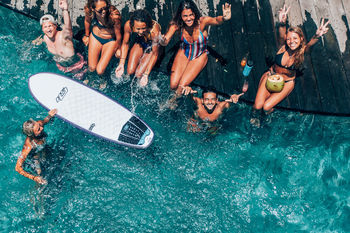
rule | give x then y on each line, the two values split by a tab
290	175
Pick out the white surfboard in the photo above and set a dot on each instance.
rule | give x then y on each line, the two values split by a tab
90	110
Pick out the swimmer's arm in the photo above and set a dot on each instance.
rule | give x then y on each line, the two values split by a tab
51	114
233	99
19	165
67	27
125	43
167	37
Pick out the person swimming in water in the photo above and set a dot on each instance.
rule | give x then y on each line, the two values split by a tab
144	53
34	143
60	43
192	56
209	108
288	59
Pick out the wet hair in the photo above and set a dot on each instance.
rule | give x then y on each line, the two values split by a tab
27	127
91	4
208	90
299	53
142	16
184	5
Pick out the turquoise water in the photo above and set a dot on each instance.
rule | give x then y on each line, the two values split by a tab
290	175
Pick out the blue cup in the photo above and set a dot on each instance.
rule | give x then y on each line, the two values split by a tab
247	68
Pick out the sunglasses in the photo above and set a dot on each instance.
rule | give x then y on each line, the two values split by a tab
102	9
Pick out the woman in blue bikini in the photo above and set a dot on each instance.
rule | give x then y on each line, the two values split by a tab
104	38
144	53
288	59
192	55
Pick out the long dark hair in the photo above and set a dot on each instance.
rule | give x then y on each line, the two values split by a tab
141	15
91	4
184	5
299	53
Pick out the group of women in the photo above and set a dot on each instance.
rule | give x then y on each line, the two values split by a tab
103	36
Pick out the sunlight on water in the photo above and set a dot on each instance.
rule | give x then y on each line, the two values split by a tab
290	175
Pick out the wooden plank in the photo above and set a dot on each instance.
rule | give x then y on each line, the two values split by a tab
336	66
320	66
256	44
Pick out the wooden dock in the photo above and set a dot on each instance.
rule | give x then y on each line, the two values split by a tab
323	86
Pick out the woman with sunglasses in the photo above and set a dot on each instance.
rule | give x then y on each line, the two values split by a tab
144	53
102	33
192	56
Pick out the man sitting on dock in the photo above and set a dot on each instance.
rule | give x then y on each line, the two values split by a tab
60	43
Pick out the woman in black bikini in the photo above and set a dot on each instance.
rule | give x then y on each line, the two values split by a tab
289	57
104	38
144	53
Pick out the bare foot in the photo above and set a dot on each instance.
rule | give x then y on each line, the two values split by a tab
144	80
255	122
86	81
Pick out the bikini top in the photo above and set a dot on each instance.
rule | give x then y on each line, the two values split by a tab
278	61
98	24
195	49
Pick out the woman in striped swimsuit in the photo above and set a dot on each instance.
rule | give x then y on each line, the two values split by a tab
192	55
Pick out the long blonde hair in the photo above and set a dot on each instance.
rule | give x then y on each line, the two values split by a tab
299	53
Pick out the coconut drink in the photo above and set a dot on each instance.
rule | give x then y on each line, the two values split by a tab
275	83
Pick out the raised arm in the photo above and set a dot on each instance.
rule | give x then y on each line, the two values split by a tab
320	32
67	27
51	114
226	15
282	29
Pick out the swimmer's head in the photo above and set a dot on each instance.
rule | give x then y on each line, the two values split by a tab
48	25
141	21
209	99
187	14
32	128
27	127
47	18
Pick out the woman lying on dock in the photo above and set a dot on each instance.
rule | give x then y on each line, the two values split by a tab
278	82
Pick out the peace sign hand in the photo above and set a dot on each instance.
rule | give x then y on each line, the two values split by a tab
226	11
187	90
282	14
234	98
322	29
